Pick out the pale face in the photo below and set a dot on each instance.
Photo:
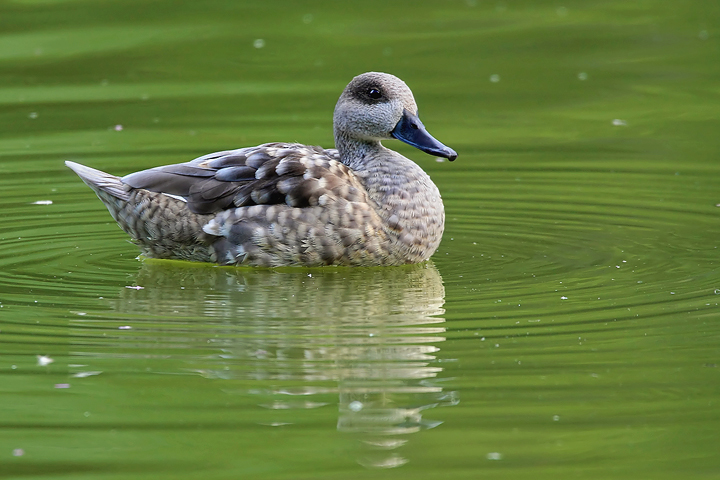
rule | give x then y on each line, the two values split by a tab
372	105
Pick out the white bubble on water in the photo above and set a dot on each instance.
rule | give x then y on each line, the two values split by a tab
259	43
44	360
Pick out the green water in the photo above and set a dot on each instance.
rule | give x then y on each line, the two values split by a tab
568	327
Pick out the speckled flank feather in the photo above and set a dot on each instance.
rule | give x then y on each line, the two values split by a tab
289	204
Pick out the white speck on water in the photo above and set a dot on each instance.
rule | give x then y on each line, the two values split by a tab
495	78
44	360
33	115
87	414
556	418
259	43
355	406
672	293
42	202
134	287
494	456
125	327
62	385
18	452
118	128
85	374
582	76
482	339
439	159
563	298
717	291
619	123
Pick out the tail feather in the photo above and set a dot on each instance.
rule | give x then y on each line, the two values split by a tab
102	183
161	225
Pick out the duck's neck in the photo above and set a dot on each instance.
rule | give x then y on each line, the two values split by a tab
356	153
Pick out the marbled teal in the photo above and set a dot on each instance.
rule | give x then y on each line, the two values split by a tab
289	204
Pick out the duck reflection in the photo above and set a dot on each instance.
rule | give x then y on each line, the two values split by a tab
365	336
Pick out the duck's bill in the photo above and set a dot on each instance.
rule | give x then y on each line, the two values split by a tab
411	131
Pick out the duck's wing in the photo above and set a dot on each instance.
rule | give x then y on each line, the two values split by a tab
294	174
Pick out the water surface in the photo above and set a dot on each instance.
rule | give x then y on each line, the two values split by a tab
566	328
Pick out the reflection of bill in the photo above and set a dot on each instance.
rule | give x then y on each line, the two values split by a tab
366	336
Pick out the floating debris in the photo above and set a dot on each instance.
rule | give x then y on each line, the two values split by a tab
42	202
44	360
85	374
619	123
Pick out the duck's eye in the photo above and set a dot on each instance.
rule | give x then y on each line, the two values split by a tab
374	93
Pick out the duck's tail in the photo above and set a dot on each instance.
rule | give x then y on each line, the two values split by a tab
109	188
160	225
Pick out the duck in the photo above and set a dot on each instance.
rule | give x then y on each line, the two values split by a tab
289	204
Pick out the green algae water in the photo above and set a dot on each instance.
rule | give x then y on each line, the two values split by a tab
568	326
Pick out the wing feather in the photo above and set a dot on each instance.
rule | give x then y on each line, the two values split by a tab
273	173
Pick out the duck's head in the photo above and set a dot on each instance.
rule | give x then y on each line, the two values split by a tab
377	106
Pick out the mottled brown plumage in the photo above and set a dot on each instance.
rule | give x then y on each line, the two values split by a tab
290	204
